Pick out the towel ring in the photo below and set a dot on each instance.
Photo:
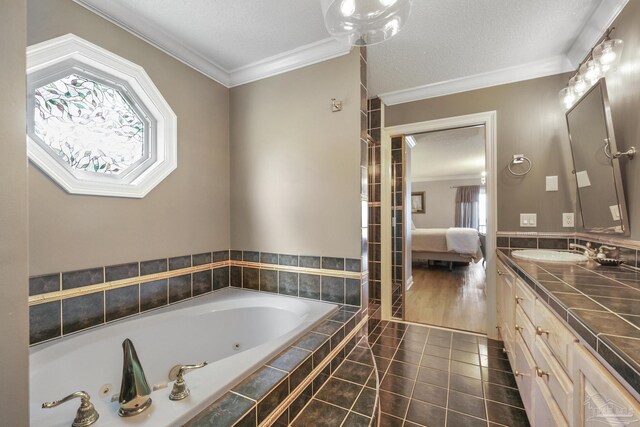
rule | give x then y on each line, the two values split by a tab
519	159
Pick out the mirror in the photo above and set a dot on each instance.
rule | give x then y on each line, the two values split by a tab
600	195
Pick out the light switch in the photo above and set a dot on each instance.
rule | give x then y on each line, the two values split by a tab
528	220
552	183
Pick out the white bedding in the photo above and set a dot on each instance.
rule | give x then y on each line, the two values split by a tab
464	241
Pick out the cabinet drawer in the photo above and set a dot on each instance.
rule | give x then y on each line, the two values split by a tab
523	369
546	412
525	328
524	298
550	372
554	334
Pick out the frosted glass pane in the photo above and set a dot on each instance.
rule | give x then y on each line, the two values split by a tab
89	125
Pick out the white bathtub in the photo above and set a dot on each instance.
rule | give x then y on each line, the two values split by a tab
205	328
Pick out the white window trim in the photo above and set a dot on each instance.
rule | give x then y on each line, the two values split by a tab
72	47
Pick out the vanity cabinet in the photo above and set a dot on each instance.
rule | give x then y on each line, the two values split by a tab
560	382
599	399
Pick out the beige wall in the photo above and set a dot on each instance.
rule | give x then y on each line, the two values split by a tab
530	122
187	213
440	199
624	95
14	396
295	164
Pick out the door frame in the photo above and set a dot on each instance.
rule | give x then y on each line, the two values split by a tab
489	120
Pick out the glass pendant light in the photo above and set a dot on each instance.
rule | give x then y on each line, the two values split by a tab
591	72
365	22
578	85
567	97
608	54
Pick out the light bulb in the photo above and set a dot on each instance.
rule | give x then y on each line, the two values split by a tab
348	7
567	97
591	71
578	84
608	53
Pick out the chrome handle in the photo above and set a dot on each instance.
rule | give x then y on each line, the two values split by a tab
541	373
519	374
505	351
180	390
86	414
518	327
518	299
500	273
540	331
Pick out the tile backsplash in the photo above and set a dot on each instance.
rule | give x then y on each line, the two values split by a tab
68	302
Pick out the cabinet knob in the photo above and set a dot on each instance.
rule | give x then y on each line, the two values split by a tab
541	373
518	327
518	299
540	331
519	374
500	273
505	351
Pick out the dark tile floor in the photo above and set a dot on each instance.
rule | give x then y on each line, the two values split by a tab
433	377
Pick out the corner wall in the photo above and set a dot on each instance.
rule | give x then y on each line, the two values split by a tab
14	395
295	164
187	213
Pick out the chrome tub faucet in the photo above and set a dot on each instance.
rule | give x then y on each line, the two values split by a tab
134	390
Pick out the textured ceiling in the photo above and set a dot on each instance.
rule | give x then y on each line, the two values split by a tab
443	39
448	154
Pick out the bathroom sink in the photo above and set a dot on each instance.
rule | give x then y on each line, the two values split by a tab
544	255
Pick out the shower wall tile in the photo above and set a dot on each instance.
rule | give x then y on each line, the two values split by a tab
153	266
235	276
251	256
288	283
220	256
179	288
220	278
121	271
44	284
309	261
154	294
268	258
202	282
179	262
331	263
332	289
288	260
310	286
82	312
44	322
251	278
200	259
269	281
122	302
76	279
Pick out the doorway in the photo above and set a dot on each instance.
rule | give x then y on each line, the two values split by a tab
442	224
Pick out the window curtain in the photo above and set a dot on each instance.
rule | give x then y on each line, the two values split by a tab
468	206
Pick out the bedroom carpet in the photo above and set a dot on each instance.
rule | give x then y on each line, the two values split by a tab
453	299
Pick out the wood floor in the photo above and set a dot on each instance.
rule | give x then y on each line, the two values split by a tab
453	299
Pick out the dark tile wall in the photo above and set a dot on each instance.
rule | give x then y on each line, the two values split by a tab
55	319
397	231
374	129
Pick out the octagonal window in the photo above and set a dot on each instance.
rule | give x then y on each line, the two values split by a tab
89	125
96	123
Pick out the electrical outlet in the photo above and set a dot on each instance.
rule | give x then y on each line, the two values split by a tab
568	219
528	220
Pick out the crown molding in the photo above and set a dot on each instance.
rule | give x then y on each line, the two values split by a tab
302	56
600	21
288	61
532	70
162	41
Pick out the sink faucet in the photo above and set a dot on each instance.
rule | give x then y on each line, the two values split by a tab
134	391
587	249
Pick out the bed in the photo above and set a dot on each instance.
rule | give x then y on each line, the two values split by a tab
446	244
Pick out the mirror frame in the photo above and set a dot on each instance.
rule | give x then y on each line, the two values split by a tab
615	163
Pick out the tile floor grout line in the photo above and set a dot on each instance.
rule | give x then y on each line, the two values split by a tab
415	381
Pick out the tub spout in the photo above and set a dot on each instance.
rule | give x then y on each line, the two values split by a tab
134	390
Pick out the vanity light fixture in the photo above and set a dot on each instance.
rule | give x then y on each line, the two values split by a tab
365	22
603	59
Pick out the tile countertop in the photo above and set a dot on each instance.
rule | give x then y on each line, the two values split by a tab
601	304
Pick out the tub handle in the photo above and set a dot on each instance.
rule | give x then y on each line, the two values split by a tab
180	390
86	414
